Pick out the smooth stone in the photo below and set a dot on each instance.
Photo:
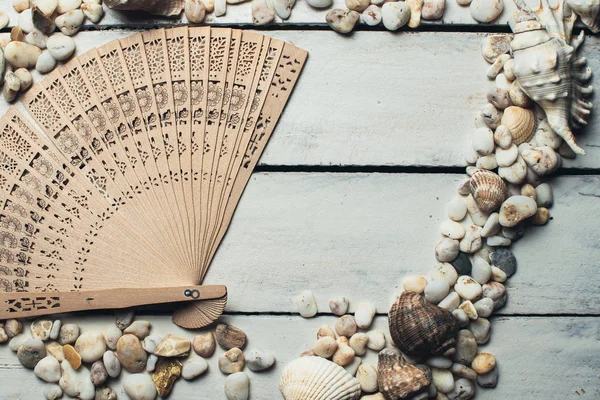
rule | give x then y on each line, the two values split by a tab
283	8
471	242
48	369
325	330
166	373
483	141
131	354
505	260
319	3
258	360
376	340
469	309
486	10
25	21
439	362
151	342
41	22
93	12
141	329
436	291
544	196
112	364
395	15
55	350
204	345
194	368
467	288
45	62
498	241
31	352
491	116
494	46
229	336
352	368
90	346
357	5
16	35
507	157
3	335
565	151
173	346
342	21
68	334
105	393
442	379
416	6
515	232
414	283
232	361
139	387
466	347
52	392
450	302
151	363
480	330
37	39
358	342
499	97
492	226
306	304
470	155
446	250
72	356
503	137
111	336
495	291
461	317
488	380
56	325
484	307
237	386
76	383
21	5
124	318
346	326
22	55
433	9
452	229
40	329
221	7
11	87
46	6
65	6
61	47
516	209
482	271
483	363
516	173
364	314
262	12
372	15
367	377
518	96
541	217
443	271
98	373
498	275
457	209
339	305
462	264
463	371
325	347
487	163
69	23
542	160
478	217
344	354
16	341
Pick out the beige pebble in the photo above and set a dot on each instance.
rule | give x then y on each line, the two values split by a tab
364	314
346	326
359	342
193	368
229	336
416	7
70	22
325	347
357	5
76	383
56	351
232	361
91	346
325	330
414	283
541	217
131	354
367	377
339	305
376	340
139	328
65	6
173	346
444	271
40	328
344	354
94	12
483	363
204	345
195	11
21	55
262	12
342	21
20	5
306	304
111	336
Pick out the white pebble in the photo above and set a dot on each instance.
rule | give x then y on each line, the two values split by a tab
516	173
452	229
352	368
433	9
446	250
488	162
283	8
372	15
492	225
21	55
57	324
472	240
346	326
151	363
444	271
325	346
463	389
45	62
436	291
193	368
25	21
20	5
442	379
262	12
364	314
77	383
60	46
502	136
65	6
237	386
48	369
112	334
376	340
90	346
484	307
481	271
506	158
367	377
544	196
220	7
139	386
339	305
70	22
307	305
46	6
498	275
112	364
94	12
516	209
342	21
319	3
17	341
450	302
52	392
467	287
258	360
461	317
457	209
359	342
497	241
483	141
469	309
395	15
414	283
139	328
486	10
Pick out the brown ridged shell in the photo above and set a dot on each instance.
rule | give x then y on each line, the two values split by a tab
520	122
419	328
488	190
398	379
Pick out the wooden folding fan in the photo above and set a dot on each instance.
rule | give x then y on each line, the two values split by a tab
147	145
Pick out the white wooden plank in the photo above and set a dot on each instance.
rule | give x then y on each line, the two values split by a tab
538	358
302	14
359	103
359	235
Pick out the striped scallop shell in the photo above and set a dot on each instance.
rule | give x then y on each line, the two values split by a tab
488	190
398	379
315	378
521	123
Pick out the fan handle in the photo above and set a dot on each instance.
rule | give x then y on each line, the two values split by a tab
29	304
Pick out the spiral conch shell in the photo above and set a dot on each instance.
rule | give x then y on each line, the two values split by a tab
548	70
419	328
488	190
315	378
520	122
398	379
589	11
156	7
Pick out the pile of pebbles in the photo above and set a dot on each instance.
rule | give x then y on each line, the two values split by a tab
40	39
80	363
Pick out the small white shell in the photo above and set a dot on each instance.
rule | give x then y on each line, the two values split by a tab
316	378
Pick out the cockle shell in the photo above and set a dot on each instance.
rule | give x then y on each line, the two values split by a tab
548	70
156	7
419	328
397	379
520	122
589	11
488	190
315	378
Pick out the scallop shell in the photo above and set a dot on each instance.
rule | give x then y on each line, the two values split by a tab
315	378
488	190
520	122
419	328
589	11
398	379
156	7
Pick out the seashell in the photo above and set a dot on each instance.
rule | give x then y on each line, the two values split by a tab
589	11
156	7
316	378
398	379
548	70
488	190
419	328
520	122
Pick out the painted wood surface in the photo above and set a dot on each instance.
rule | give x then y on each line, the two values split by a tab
538	358
359	103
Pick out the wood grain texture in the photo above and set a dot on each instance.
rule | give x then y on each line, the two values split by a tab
358	103
539	358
